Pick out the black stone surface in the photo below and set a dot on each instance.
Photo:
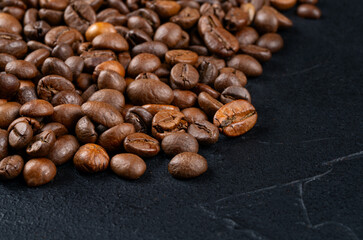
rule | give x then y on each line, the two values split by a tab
296	175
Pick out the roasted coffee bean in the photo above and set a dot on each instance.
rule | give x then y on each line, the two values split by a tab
13	44
124	58
96	57
205	132
34	124
21	69
187	3
151	16
79	15
236	19
67	114
91	158
62	51
35	45
140	118
164	9
219	63
85	131
3	143
147	75
179	142
166	122
119	5
53	17
184	99
111	80
11	167
128	165
207	23
149	91
98	28
283	4
9	85
102	113
234	93
212	9
5	59
199	50
36	30
109	65
8	113
67	97
163	71
240	75
187	165
208	104
111	15
75	64
39	171
56	66
201	87
308	11
225	80
208	72
38	57
194	114
184	76
62	34
26	94
137	22
221	42
169	33
235	118
41	144
156	48
266	21
247	64
10	23
89	91
111	41
142	145
250	10
58	129
110	96
20	135
271	41
284	22
186	17
53	4
155	108
30	16
63	149
95	4
260	53
144	62
84	81
137	36
173	57
50	85
247	36
36	108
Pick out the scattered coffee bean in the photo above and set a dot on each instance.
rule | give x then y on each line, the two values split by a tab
187	165
142	145
271	41
205	132
91	158
11	167
179	142
128	165
39	171
309	11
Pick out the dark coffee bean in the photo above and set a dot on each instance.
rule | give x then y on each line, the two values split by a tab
36	30
8	113
187	3
271	41
34	124
144	62
13	44
137	22
3	143
194	114
184	41
38	57
184	99
20	135
187	165
219	63
208	104
199	49
225	80
95	4
205	132
91	158
79	15
5	59
50	85
140	118
233	93
85	131
247	36
142	145
68	115
41	144
156	48
163	71
111	80
309	1
109	65
53	17
9	85
147	75
119	5
21	69
128	165
212	9
75	64
30	16
39	171
181	56
166	122
110	96
111	41
67	97
235	118
102	113
169	33
201	87
186	18
53	4
260	53
208	72
284	22
155	108
62	51
247	64
57	67
96	57
111	15
221	42
63	34
176	143
150	15
84	81
308	11
35	45
89	91
98	28
137	36
236	19
240	75
26	94
63	149
124	58
184	76
58	129
283	4
36	108
11	167
207	23
266	21
16	12
10	23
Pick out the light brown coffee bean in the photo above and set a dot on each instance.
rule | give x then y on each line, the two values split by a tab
128	165
39	171
187	165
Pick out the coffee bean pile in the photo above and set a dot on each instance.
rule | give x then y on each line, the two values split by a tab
88	80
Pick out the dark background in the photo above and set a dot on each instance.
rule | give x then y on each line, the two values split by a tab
296	175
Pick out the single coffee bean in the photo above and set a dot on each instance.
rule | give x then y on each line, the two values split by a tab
271	41
283	4
247	36
235	118
98	28
84	81
163	71
221	42
67	114
234	93
149	91
30	16
67	97
85	131
26	94
155	108
184	99
39	171
186	18
208	72
137	36
38	57
111	80
164	9
113	138
212	9
250	10
58	129
63	34
110	96
11	167
284	22
62	51
207	22
36	30
184	76
156	48
144	62
247	64
208	104
205	132
124	58
187	165
79	15
111	41
21	69
5	59
128	165
142	145
308	11
89	91
179	142
169	33
8	113
181	56
111	15
266	21
166	122
194	114
236	19
3	143
96	57
33	123
41	144
201	87
151	16
240	75
53	17
109	65
63	149
13	44
10	23
57	67
34	45
75	64
102	113
36	108
91	158
225	80
260	53
140	118
50	85
119	5
53	4
137	22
